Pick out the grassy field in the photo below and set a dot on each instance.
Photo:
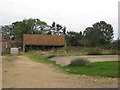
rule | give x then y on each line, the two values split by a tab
104	69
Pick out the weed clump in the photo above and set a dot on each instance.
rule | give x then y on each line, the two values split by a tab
51	56
79	62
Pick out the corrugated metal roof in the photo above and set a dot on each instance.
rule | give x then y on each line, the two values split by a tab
36	39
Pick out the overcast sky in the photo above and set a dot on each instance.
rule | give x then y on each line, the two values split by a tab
76	15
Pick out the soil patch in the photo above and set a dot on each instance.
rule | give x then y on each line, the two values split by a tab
65	60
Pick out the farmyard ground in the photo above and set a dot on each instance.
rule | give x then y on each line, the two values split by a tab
21	72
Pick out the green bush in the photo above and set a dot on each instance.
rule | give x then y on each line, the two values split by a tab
79	62
94	53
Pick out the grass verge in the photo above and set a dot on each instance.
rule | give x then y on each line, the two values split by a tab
104	69
42	59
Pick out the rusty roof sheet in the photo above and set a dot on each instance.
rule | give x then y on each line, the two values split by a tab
36	39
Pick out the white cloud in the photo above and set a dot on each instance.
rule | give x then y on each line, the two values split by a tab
74	14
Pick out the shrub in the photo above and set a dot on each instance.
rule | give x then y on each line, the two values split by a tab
79	62
94	53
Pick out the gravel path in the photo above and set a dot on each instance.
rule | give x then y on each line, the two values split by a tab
22	72
63	61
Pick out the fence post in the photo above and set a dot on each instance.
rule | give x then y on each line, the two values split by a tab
23	48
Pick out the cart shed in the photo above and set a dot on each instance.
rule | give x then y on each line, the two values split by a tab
36	41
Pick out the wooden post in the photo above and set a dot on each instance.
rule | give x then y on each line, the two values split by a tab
65	45
23	48
43	48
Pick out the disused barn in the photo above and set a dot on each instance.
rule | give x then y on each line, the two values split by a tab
38	42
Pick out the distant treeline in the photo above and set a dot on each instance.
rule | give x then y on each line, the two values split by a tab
100	34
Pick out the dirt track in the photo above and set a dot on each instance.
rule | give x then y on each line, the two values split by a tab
22	72
0	72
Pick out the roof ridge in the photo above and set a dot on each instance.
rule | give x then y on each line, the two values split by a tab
43	35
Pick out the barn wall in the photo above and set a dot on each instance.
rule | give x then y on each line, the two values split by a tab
39	47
